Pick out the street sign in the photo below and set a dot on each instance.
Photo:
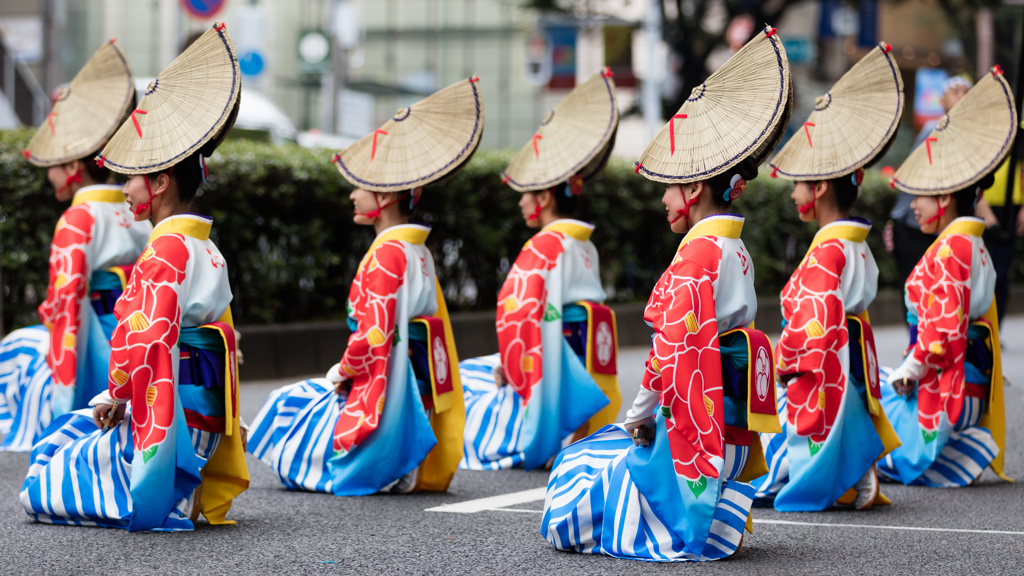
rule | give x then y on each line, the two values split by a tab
314	51
250	63
203	9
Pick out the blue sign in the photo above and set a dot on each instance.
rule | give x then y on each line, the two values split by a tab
203	9
251	63
799	50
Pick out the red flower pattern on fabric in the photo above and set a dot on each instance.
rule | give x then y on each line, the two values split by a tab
685	362
810	344
522	305
69	280
373	300
939	289
148	323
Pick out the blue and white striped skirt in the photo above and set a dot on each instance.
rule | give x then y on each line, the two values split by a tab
776	455
591	481
79	475
25	387
494	418
294	433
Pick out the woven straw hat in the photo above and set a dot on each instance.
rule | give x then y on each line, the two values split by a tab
580	130
190	106
852	125
425	143
967	144
738	112
88	110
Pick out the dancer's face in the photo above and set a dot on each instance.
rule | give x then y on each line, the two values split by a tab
363	201
803	194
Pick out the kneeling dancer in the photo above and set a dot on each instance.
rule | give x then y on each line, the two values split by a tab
554	377
671	485
834	428
389	416
163	444
51	369
946	399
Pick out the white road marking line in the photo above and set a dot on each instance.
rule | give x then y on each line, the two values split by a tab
913	528
492	503
500	504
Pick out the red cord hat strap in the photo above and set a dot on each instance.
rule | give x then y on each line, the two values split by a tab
685	212
375	214
536	207
143	207
809	207
939	214
76	177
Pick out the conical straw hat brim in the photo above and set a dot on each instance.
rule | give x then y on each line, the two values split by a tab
967	144
573	134
191	103
422	144
852	124
88	110
735	114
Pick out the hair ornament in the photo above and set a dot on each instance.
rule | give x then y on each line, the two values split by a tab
574	186
857	177
736	186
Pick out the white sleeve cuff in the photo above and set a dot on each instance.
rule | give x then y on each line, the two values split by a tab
644	405
334	374
102	398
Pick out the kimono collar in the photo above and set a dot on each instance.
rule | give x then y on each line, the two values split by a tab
970	225
411	233
852	229
726	225
192	225
98	193
576	229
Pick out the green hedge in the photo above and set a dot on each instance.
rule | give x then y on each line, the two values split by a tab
284	223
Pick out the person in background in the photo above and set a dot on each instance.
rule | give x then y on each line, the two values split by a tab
554	377
389	416
945	400
909	243
51	369
1001	241
834	429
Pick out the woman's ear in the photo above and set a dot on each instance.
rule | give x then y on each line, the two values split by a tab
160	184
544	199
820	187
945	200
698	188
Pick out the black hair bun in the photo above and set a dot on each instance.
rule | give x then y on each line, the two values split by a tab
747	169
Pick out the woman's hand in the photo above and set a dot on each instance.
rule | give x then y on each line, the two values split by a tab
499	376
343	388
641	431
905	388
106	416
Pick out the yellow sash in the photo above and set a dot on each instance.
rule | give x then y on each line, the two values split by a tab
225	474
608	383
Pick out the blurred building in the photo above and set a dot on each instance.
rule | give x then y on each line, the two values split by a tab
344	66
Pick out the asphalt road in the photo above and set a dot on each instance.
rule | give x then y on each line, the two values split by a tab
302	533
